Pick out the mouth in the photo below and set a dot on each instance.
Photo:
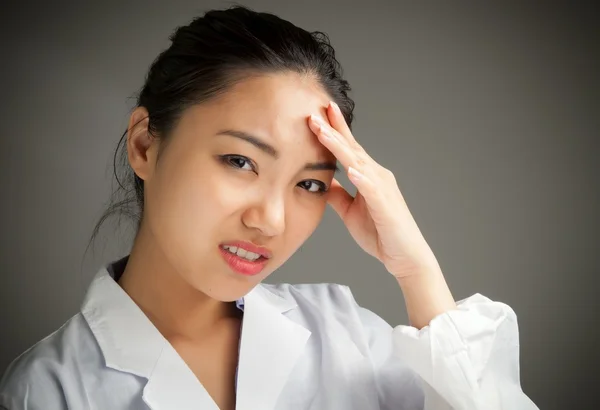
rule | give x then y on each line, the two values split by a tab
243	253
247	250
245	258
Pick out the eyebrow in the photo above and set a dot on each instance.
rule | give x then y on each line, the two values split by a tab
270	150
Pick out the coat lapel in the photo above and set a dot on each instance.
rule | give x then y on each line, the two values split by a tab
270	346
131	343
172	385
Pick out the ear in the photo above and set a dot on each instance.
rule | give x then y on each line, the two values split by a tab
142	147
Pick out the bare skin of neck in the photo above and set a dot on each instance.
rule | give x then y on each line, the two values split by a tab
205	332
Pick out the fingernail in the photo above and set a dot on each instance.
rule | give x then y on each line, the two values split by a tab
317	119
335	107
354	174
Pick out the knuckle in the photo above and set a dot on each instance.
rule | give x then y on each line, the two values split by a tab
361	162
388	174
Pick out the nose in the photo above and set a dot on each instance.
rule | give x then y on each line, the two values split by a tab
266	215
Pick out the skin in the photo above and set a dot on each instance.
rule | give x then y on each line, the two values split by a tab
194	202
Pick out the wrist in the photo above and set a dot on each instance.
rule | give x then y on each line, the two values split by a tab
426	295
424	264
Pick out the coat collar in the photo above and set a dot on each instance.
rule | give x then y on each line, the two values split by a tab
270	346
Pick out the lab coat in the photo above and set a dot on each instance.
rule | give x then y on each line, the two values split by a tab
302	347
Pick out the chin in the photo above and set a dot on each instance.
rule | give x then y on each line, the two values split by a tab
228	290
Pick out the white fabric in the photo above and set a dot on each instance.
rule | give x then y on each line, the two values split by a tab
302	347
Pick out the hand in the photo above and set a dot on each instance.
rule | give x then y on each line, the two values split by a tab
377	217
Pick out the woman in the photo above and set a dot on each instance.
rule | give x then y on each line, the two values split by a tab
232	151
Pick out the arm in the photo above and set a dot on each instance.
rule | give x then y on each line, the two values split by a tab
466	358
467	353
469	356
426	293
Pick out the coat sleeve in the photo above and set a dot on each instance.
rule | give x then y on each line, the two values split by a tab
465	359
31	385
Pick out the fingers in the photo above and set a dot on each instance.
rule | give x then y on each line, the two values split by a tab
339	199
335	135
337	121
333	141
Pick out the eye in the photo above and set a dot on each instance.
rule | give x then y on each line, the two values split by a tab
313	186
238	161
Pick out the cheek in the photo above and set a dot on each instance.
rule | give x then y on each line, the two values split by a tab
183	206
302	222
195	202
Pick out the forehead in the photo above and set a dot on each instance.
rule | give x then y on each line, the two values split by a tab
284	97
274	107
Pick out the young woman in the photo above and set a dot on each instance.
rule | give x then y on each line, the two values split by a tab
231	153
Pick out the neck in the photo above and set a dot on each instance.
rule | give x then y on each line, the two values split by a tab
176	308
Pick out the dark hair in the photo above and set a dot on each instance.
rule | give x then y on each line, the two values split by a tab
205	59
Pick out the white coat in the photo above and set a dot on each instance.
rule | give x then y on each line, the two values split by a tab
302	347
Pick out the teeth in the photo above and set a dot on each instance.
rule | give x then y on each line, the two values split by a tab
242	253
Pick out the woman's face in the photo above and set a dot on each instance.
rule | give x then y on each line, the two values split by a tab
242	168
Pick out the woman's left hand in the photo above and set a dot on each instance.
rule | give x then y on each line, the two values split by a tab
377	217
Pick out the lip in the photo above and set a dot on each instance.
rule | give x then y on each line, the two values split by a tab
262	251
241	265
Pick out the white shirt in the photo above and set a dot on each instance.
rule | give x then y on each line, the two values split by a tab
302	347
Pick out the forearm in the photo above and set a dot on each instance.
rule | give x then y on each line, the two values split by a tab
426	294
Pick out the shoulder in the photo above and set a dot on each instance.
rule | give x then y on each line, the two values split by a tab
333	303
42	372
328	300
315	295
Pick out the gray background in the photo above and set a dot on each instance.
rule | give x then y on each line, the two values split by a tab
487	114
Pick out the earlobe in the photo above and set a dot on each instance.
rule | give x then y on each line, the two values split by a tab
140	144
